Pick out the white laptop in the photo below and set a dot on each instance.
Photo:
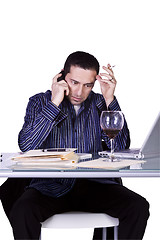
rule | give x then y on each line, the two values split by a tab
150	147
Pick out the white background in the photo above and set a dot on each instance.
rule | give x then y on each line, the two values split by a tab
36	37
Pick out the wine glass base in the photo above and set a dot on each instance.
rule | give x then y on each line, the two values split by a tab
111	159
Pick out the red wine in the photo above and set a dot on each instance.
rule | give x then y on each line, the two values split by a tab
111	133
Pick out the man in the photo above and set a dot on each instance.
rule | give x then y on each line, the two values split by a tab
68	116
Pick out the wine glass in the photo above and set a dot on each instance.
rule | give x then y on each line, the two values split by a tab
112	123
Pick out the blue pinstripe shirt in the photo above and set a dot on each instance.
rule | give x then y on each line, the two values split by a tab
49	126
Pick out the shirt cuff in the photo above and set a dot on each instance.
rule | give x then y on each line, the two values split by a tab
114	105
51	112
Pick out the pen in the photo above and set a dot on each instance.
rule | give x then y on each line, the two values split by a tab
55	150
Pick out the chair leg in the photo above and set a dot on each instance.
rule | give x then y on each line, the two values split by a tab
116	233
40	236
104	233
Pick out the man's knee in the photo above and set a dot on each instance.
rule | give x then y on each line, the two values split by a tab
145	208
140	206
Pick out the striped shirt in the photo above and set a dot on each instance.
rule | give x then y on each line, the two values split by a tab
49	126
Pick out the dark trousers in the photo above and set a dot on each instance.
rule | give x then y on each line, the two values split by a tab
31	207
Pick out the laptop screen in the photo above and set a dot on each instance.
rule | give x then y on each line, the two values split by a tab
151	145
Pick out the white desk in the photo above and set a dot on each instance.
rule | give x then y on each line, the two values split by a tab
151	168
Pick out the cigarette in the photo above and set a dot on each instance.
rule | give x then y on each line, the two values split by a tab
112	66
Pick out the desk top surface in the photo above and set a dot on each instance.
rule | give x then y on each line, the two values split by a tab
149	167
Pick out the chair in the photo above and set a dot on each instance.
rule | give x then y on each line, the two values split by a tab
83	220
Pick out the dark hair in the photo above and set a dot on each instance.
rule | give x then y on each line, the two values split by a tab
81	59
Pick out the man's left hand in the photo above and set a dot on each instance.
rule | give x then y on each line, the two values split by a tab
107	83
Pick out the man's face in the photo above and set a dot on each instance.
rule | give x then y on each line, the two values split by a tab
80	83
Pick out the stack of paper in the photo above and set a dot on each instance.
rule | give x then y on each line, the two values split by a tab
46	156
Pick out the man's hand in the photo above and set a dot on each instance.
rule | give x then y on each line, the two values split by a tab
59	89
107	84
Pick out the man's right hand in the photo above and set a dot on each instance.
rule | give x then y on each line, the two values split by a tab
59	89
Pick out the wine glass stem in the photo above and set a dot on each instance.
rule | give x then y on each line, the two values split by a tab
112	146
